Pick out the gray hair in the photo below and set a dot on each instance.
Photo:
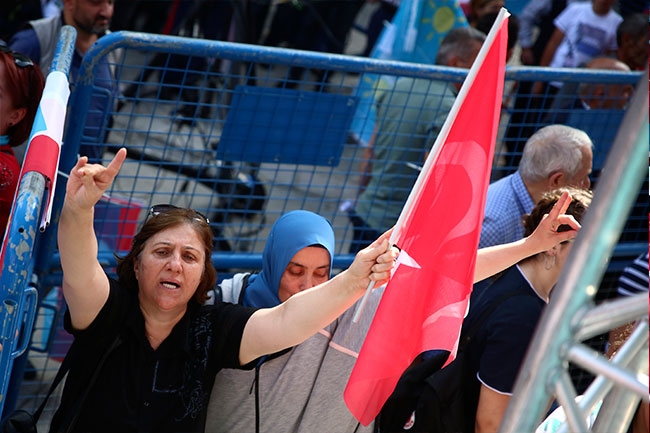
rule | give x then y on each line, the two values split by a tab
553	148
458	42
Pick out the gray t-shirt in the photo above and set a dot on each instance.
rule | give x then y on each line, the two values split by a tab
409	118
299	391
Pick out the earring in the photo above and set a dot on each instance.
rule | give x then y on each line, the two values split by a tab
548	266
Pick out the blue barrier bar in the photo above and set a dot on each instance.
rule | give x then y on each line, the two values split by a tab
309	59
20	241
251	53
19	297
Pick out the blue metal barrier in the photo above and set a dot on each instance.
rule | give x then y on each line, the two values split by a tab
20	296
187	131
223	128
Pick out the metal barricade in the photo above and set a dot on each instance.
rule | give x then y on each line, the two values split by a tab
223	127
28	218
229	130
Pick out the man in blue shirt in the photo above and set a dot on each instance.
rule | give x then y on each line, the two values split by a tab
553	157
91	19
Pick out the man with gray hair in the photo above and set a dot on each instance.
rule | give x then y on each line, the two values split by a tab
409	118
553	157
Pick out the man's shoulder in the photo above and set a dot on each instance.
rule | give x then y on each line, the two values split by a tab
501	188
502	217
54	23
27	40
26	34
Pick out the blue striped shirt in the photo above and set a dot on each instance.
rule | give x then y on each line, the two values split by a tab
634	279
508	201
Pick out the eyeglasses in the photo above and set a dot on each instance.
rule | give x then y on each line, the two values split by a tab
158	209
21	60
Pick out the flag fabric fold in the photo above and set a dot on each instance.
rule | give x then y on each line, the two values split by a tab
438	232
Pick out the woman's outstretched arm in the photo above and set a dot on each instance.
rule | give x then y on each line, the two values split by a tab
272	329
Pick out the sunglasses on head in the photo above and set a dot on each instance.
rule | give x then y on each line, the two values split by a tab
21	60
158	209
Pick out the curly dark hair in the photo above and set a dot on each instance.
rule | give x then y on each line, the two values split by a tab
163	221
581	199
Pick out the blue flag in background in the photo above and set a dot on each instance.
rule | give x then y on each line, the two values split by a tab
414	35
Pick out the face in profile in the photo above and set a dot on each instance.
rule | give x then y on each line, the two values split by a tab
307	268
581	179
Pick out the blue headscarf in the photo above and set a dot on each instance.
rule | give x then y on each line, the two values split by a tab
292	232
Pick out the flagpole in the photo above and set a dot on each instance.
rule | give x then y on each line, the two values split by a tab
437	145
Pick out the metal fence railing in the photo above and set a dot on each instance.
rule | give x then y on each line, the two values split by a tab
29	211
223	128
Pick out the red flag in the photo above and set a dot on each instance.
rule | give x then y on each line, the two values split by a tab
426	299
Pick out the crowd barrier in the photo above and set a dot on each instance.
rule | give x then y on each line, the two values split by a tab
29	217
228	130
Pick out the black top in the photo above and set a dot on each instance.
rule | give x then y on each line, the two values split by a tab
499	347
143	390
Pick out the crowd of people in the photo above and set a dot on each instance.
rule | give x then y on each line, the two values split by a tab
272	350
168	337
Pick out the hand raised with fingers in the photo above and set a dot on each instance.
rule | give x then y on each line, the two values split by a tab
546	235
88	182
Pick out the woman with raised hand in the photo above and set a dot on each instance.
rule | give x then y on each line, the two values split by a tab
497	349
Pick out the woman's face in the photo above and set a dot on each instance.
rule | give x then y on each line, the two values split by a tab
307	268
7	110
169	269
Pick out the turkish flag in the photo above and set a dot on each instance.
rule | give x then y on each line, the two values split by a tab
438	232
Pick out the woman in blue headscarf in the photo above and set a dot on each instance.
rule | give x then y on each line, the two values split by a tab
297	255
